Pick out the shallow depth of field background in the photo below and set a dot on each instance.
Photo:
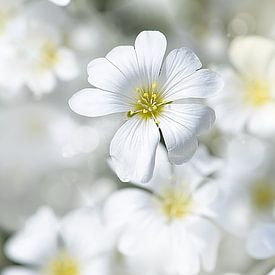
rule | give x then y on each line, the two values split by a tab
51	156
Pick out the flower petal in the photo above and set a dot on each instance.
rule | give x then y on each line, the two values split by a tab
180	124
84	226
137	201
37	241
261	242
251	55
201	84
18	271
106	76
67	67
179	64
41	83
150	48
133	150
125	59
261	122
95	102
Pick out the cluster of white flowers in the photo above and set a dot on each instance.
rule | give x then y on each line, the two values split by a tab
161	166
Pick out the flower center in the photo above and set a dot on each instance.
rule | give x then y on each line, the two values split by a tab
176	203
149	103
263	196
49	55
258	93
63	264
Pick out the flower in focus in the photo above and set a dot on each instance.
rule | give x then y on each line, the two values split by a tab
169	222
155	97
249	96
71	246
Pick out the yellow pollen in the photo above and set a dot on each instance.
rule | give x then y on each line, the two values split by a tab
49	55
63	264
154	85
263	195
149	103
258	93
176	203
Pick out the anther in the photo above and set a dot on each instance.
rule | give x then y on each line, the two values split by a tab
145	95
144	111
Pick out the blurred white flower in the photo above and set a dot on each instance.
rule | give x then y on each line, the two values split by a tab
261	241
133	81
71	246
168	222
61	2
35	56
249	95
247	181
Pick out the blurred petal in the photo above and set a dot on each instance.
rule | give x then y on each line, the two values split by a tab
133	150
42	82
95	102
82	227
67	67
261	242
251	55
37	241
115	212
18	271
261	122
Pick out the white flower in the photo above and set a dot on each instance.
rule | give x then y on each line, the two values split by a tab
169	223
35	57
70	246
132	80
61	2
261	241
249	95
247	181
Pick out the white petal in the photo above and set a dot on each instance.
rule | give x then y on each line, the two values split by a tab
179	64
115	212
150	48
272	272
251	55
37	241
205	195
125	59
18	271
261	242
205	163
67	67
82	227
201	84
106	76
95	102
41	83
180	124
261	122
133	150
61	2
